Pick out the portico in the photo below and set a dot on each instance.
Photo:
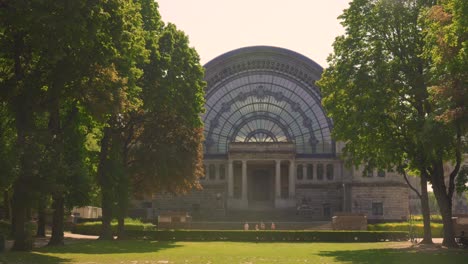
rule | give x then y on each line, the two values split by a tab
261	175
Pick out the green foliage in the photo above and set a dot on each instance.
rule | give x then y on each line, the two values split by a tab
5	228
374	87
462	179
169	153
446	45
434	218
377	92
94	228
417	228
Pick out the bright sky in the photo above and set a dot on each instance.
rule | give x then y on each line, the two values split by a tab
218	26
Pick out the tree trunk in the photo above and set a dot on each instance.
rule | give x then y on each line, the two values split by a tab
445	204
426	213
23	240
121	227
41	219
6	205
106	231
106	187
122	207
57	221
23	123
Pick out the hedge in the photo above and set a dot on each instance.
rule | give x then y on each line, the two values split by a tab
94	228
417	228
269	235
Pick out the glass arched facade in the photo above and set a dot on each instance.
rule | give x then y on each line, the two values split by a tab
265	94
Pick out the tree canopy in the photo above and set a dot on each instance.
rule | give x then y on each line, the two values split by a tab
81	83
376	89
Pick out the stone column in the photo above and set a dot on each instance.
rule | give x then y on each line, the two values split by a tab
244	181
230	179
278	179
292	179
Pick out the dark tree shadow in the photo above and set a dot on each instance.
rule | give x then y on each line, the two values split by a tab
30	257
110	247
400	256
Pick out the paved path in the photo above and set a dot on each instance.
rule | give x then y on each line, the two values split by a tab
42	241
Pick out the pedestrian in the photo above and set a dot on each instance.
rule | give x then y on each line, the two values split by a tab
246	226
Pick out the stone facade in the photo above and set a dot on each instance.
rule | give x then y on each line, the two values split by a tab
268	146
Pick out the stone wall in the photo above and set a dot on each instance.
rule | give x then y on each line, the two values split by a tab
313	200
394	201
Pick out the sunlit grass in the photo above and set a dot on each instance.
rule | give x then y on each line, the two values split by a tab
233	252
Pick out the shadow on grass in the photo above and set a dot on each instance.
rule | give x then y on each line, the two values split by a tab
372	256
30	257
110	247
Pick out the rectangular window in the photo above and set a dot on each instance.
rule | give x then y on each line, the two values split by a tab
204	172
299	172
222	172
326	210
319	171
330	173
377	208
212	172
310	171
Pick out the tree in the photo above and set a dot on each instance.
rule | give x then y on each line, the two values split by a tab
111	172
7	157
171	134
19	89
375	90
446	42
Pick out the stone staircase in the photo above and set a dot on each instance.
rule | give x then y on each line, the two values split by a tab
218	225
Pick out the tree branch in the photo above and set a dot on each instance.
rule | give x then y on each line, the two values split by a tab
409	184
458	157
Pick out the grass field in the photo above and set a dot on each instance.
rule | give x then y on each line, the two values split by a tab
149	252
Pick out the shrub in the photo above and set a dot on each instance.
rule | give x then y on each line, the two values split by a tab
5	228
94	228
418	228
434	218
268	235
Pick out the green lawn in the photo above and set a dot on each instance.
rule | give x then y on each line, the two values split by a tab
140	252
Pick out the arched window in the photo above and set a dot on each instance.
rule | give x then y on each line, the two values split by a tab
330	173
299	172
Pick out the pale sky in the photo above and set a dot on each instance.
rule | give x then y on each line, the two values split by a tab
218	26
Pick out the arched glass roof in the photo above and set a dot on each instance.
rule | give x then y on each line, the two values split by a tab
265	94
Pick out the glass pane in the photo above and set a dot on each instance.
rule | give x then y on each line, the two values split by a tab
320	171
299	172
310	171
330	172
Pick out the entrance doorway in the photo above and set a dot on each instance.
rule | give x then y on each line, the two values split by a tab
261	191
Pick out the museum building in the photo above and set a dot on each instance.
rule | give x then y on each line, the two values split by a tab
268	146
